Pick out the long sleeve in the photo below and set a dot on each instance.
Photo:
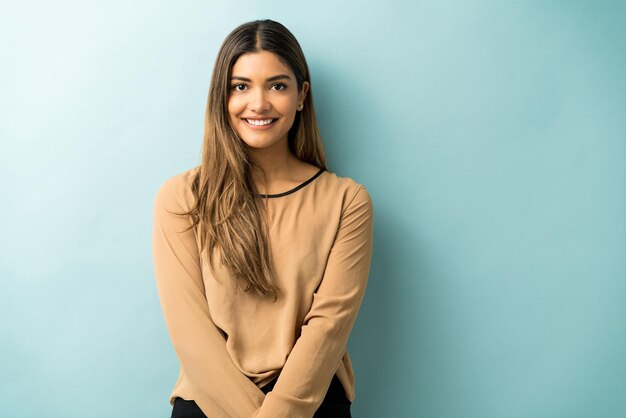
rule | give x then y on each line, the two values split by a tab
219	388
309	368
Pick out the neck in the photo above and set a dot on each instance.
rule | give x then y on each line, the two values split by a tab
274	164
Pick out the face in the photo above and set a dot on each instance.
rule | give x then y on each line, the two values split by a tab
263	99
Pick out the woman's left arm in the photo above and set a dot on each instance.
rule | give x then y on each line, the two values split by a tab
314	359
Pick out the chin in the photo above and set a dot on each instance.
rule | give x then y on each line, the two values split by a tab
259	144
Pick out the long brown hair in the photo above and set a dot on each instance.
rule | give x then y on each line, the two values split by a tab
228	211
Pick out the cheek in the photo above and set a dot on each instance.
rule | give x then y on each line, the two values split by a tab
234	108
289	105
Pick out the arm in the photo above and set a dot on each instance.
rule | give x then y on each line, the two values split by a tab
306	375
221	390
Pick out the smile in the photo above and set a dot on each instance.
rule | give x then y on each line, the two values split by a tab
259	122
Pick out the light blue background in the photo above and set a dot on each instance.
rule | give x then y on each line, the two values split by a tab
491	136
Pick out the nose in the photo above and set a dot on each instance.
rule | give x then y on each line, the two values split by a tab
259	102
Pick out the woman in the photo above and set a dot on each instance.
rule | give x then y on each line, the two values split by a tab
261	254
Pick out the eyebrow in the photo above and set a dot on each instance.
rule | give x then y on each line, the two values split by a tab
273	78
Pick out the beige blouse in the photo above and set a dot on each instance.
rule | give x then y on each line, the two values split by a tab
230	343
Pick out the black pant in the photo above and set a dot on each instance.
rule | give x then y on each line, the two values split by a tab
334	405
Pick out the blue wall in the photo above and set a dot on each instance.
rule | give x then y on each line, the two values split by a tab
491	136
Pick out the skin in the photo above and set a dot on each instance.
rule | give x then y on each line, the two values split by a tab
263	87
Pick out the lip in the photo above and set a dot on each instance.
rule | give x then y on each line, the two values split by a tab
259	127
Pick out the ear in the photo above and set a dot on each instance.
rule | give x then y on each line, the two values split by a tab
303	92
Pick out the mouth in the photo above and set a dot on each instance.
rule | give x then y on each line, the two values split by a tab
259	122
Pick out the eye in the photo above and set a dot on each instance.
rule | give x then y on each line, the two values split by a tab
238	87
279	86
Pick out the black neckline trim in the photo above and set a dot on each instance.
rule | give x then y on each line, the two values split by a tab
295	189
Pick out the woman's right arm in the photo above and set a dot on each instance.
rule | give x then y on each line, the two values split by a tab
221	390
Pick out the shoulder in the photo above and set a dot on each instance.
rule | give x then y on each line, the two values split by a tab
183	179
176	190
350	191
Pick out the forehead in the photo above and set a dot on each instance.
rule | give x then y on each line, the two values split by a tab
260	63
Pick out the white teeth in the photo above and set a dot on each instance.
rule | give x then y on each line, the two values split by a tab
259	122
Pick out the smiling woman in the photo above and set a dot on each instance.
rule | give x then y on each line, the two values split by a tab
261	255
